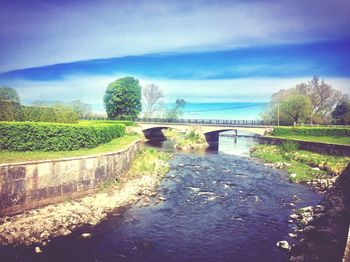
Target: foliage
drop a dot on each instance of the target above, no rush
(122, 99)
(11, 111)
(296, 108)
(150, 162)
(341, 113)
(9, 94)
(322, 96)
(49, 114)
(310, 131)
(29, 136)
(83, 110)
(193, 139)
(176, 111)
(151, 101)
(302, 163)
(289, 146)
(116, 144)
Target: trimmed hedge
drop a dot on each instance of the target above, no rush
(28, 136)
(310, 131)
(13, 111)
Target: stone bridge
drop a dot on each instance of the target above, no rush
(211, 131)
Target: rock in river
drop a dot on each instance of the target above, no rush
(283, 245)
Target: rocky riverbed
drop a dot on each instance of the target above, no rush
(322, 230)
(40, 225)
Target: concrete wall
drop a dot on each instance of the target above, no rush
(323, 148)
(33, 184)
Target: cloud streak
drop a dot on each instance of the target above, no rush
(36, 33)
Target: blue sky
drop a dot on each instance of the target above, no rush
(203, 51)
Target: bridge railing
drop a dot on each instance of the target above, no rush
(205, 121)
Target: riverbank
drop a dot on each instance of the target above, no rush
(40, 225)
(307, 167)
(322, 230)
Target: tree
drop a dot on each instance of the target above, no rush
(176, 111)
(296, 108)
(341, 113)
(82, 109)
(122, 98)
(152, 96)
(323, 99)
(9, 94)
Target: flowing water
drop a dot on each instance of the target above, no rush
(220, 206)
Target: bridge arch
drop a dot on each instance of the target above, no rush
(156, 132)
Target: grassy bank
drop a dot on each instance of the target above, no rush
(303, 165)
(319, 139)
(116, 144)
(150, 162)
(329, 135)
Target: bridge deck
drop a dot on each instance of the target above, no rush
(207, 122)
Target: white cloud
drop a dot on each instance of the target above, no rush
(47, 33)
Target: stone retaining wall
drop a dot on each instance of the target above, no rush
(323, 148)
(32, 184)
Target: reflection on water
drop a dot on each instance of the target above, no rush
(236, 145)
(227, 144)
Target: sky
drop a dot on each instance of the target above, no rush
(202, 51)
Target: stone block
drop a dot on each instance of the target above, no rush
(90, 163)
(31, 171)
(69, 188)
(16, 172)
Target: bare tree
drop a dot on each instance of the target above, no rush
(151, 98)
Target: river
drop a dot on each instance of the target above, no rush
(219, 206)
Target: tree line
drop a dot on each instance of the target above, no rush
(314, 102)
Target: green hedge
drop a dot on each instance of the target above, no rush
(310, 131)
(12, 111)
(28, 136)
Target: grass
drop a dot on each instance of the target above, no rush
(149, 161)
(190, 140)
(125, 122)
(302, 163)
(116, 144)
(320, 139)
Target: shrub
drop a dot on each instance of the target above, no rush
(29, 136)
(310, 131)
(13, 111)
(49, 114)
(10, 111)
(289, 146)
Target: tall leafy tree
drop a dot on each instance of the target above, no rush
(341, 113)
(9, 94)
(122, 98)
(296, 108)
